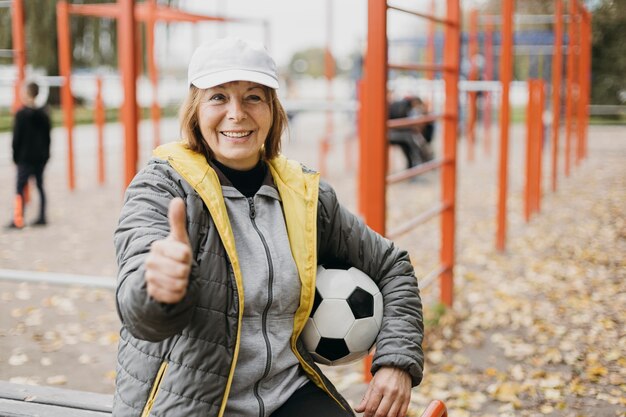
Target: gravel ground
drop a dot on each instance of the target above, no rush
(536, 330)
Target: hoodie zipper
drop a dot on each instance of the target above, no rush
(270, 297)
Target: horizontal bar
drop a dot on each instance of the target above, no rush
(424, 15)
(416, 221)
(411, 121)
(111, 10)
(6, 53)
(430, 278)
(58, 279)
(420, 67)
(538, 19)
(416, 170)
(5, 3)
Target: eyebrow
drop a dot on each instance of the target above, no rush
(254, 87)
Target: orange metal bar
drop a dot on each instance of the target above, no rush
(417, 220)
(487, 95)
(412, 121)
(431, 277)
(539, 130)
(569, 86)
(529, 150)
(430, 44)
(373, 163)
(65, 70)
(19, 50)
(18, 211)
(415, 171)
(534, 145)
(329, 73)
(126, 46)
(580, 122)
(155, 110)
(451, 58)
(448, 22)
(99, 119)
(374, 148)
(435, 409)
(110, 10)
(506, 70)
(557, 75)
(587, 81)
(473, 76)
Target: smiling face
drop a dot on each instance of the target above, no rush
(235, 119)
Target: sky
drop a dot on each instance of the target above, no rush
(294, 25)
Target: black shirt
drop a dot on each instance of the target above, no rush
(246, 182)
(31, 136)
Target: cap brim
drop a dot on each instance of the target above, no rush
(214, 79)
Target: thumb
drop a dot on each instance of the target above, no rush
(178, 218)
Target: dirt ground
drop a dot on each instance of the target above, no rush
(536, 330)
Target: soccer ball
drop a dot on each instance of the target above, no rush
(346, 316)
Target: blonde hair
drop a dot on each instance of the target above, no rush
(190, 127)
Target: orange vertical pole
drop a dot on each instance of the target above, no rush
(329, 70)
(580, 122)
(451, 59)
(473, 76)
(539, 129)
(19, 50)
(65, 70)
(569, 87)
(530, 134)
(506, 70)
(155, 111)
(430, 52)
(557, 75)
(99, 118)
(587, 80)
(487, 95)
(126, 46)
(374, 152)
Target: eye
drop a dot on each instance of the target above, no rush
(217, 97)
(254, 98)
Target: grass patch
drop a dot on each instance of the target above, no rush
(83, 115)
(433, 315)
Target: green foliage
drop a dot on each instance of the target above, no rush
(608, 56)
(83, 115)
(433, 315)
(308, 62)
(94, 40)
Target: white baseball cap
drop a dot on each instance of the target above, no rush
(231, 59)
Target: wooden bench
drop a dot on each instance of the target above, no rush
(18, 400)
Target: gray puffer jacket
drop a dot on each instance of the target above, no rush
(179, 359)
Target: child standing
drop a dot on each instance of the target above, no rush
(31, 151)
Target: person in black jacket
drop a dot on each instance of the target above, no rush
(31, 151)
(415, 140)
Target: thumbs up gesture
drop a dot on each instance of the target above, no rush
(168, 264)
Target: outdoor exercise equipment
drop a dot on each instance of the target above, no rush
(373, 178)
(127, 14)
(576, 98)
(19, 47)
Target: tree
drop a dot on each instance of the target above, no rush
(608, 54)
(94, 40)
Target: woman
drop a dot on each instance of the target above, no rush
(218, 243)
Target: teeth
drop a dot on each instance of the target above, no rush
(236, 134)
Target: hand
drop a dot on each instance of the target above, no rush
(387, 395)
(169, 262)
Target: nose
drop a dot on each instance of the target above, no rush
(235, 110)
